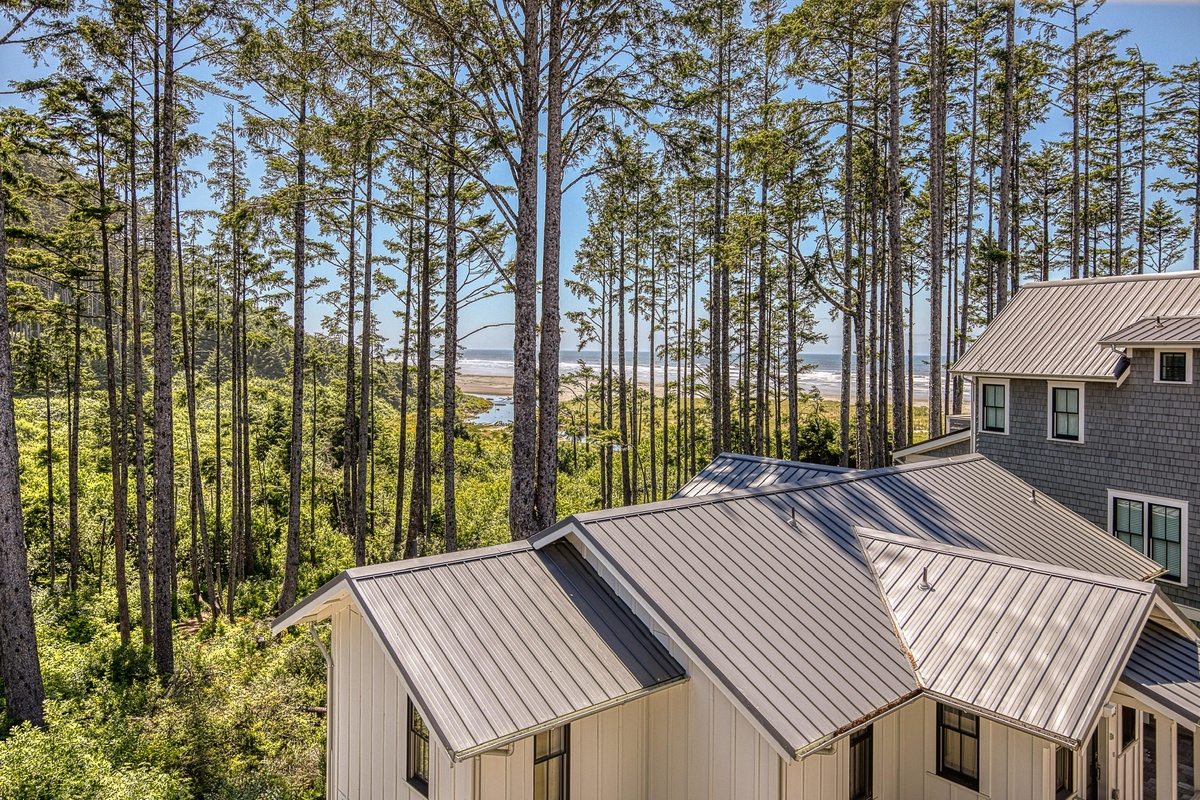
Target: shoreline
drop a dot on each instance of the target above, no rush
(501, 386)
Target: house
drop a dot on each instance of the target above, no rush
(1086, 390)
(941, 630)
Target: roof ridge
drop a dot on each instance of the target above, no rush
(439, 559)
(771, 460)
(1040, 567)
(833, 479)
(1111, 279)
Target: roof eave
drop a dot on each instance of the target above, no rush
(465, 753)
(975, 373)
(312, 607)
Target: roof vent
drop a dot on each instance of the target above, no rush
(1158, 321)
(925, 585)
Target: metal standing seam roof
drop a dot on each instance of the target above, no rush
(499, 643)
(1054, 329)
(1154, 331)
(769, 589)
(1039, 647)
(1165, 665)
(733, 471)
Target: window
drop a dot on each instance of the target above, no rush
(862, 764)
(958, 746)
(1066, 413)
(418, 751)
(995, 408)
(1174, 366)
(1129, 721)
(1129, 522)
(1064, 773)
(550, 753)
(1153, 526)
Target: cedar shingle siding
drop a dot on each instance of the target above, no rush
(1141, 437)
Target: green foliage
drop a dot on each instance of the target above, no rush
(240, 718)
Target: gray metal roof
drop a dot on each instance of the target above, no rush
(498, 643)
(1054, 329)
(1166, 666)
(1155, 331)
(1039, 647)
(948, 439)
(732, 471)
(769, 590)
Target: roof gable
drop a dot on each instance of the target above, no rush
(1054, 329)
(769, 592)
(498, 643)
(1039, 647)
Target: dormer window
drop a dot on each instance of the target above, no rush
(1173, 366)
(1065, 412)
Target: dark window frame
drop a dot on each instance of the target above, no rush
(1129, 726)
(1064, 773)
(418, 743)
(1161, 367)
(945, 728)
(564, 754)
(862, 770)
(1077, 414)
(999, 410)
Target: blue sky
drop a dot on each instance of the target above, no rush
(1168, 33)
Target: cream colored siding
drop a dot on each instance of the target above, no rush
(368, 704)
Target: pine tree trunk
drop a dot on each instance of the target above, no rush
(364, 371)
(937, 208)
(116, 421)
(164, 444)
(73, 448)
(895, 268)
(418, 506)
(546, 484)
(291, 561)
(450, 353)
(20, 668)
(847, 260)
(1006, 153)
(349, 423)
(522, 517)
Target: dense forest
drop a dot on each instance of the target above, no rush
(207, 208)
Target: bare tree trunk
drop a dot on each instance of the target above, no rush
(450, 351)
(364, 377)
(19, 665)
(847, 259)
(522, 512)
(398, 544)
(895, 267)
(164, 445)
(546, 484)
(349, 424)
(1006, 153)
(419, 505)
(937, 207)
(291, 561)
(116, 421)
(73, 448)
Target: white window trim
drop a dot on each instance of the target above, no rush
(1182, 505)
(1187, 351)
(980, 392)
(1050, 387)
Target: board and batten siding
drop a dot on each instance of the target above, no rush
(368, 707)
(686, 742)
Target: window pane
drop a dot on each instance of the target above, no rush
(970, 757)
(1165, 538)
(1172, 367)
(861, 764)
(952, 750)
(1128, 522)
(1066, 413)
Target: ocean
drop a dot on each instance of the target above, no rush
(822, 371)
